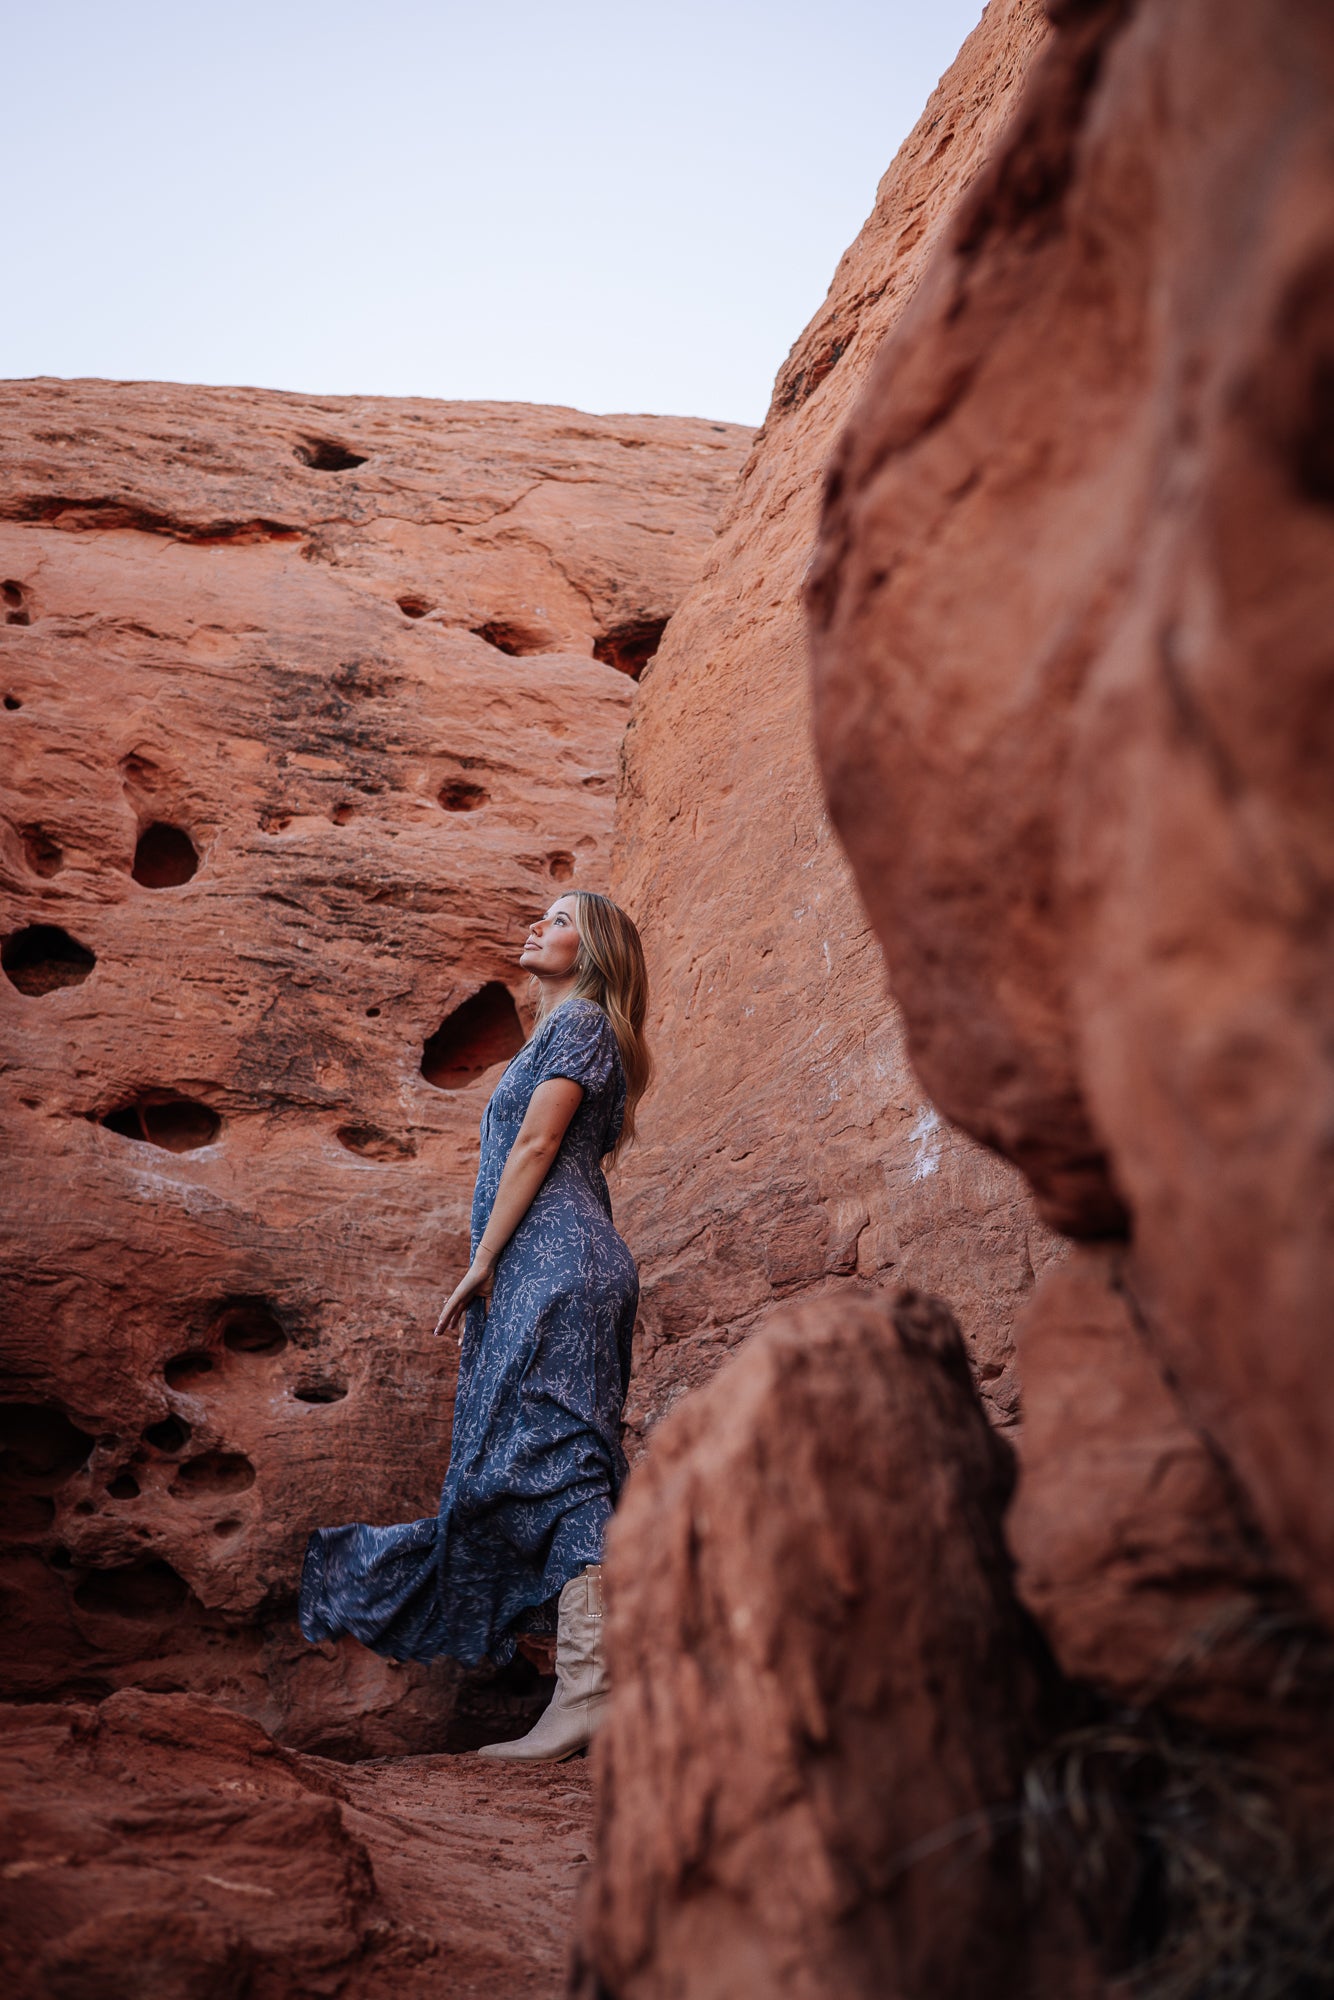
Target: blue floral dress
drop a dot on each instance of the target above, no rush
(536, 1464)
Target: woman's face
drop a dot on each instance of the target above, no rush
(553, 941)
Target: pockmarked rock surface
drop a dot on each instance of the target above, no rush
(1077, 571)
(825, 1692)
(162, 1844)
(789, 1146)
(308, 706)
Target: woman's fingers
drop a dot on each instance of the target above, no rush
(455, 1305)
(450, 1313)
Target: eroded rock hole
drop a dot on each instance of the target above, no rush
(248, 1326)
(123, 1487)
(323, 1391)
(483, 1031)
(184, 1370)
(224, 1529)
(461, 795)
(370, 1143)
(41, 958)
(15, 603)
(213, 1472)
(39, 1447)
(43, 854)
(413, 607)
(631, 646)
(147, 1589)
(560, 866)
(342, 813)
(12, 701)
(323, 455)
(508, 637)
(165, 857)
(170, 1434)
(177, 1124)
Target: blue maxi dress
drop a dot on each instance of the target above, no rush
(536, 1464)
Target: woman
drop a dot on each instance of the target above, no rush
(548, 1309)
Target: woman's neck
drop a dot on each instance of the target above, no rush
(556, 990)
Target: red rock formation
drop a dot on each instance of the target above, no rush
(1077, 570)
(307, 709)
(1071, 614)
(1134, 1547)
(158, 1844)
(789, 1145)
(814, 1797)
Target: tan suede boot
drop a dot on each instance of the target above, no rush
(571, 1718)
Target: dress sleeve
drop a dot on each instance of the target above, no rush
(581, 1044)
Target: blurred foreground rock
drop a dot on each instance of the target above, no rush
(1074, 688)
(1135, 1547)
(825, 1690)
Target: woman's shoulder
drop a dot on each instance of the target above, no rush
(577, 1016)
(581, 1025)
(578, 1011)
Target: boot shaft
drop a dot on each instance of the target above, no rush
(580, 1667)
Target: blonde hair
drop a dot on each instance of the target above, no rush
(610, 969)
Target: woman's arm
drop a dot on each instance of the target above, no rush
(536, 1144)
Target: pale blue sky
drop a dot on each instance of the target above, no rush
(617, 206)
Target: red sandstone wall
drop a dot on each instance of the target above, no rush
(788, 1144)
(350, 651)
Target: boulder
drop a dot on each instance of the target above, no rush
(1071, 624)
(825, 1692)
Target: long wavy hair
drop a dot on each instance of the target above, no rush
(610, 969)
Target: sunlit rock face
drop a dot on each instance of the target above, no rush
(1071, 618)
(789, 1145)
(308, 706)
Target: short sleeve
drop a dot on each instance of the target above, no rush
(579, 1042)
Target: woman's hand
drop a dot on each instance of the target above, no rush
(476, 1284)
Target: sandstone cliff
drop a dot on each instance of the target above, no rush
(308, 706)
(789, 1145)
